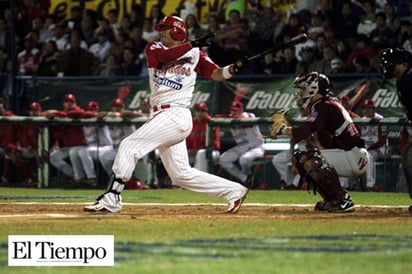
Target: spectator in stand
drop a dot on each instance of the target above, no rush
(8, 146)
(233, 38)
(125, 25)
(361, 64)
(291, 29)
(28, 59)
(130, 64)
(87, 30)
(343, 50)
(362, 47)
(98, 141)
(346, 24)
(392, 19)
(214, 51)
(375, 137)
(249, 146)
(315, 27)
(324, 65)
(74, 21)
(109, 68)
(262, 34)
(337, 65)
(66, 137)
(139, 43)
(268, 64)
(101, 48)
(320, 44)
(404, 33)
(113, 21)
(382, 36)
(77, 61)
(83, 43)
(42, 29)
(307, 62)
(111, 33)
(289, 63)
(59, 36)
(194, 30)
(148, 32)
(196, 141)
(49, 59)
(367, 21)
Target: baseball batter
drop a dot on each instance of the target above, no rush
(249, 146)
(336, 147)
(173, 65)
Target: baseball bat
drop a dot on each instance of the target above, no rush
(301, 38)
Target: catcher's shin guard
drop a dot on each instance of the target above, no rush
(313, 166)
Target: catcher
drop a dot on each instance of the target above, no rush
(334, 144)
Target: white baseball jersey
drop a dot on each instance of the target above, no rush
(172, 76)
(249, 146)
(247, 135)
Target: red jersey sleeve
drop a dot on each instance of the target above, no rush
(157, 55)
(206, 66)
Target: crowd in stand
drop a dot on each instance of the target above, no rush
(344, 36)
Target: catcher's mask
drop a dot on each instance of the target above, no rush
(310, 85)
(391, 57)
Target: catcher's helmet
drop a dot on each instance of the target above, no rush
(178, 27)
(392, 56)
(313, 83)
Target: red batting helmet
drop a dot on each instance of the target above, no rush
(178, 27)
(201, 106)
(236, 105)
(35, 106)
(117, 102)
(92, 106)
(369, 103)
(69, 98)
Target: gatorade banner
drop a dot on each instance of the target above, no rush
(260, 95)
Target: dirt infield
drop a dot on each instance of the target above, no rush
(162, 212)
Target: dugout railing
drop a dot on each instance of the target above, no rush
(388, 167)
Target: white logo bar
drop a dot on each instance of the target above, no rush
(61, 250)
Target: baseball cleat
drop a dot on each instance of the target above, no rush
(235, 204)
(96, 207)
(344, 205)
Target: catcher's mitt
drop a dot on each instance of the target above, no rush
(279, 123)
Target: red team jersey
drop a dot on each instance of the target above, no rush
(197, 138)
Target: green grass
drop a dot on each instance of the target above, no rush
(324, 245)
(183, 196)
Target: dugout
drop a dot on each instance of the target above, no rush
(261, 95)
